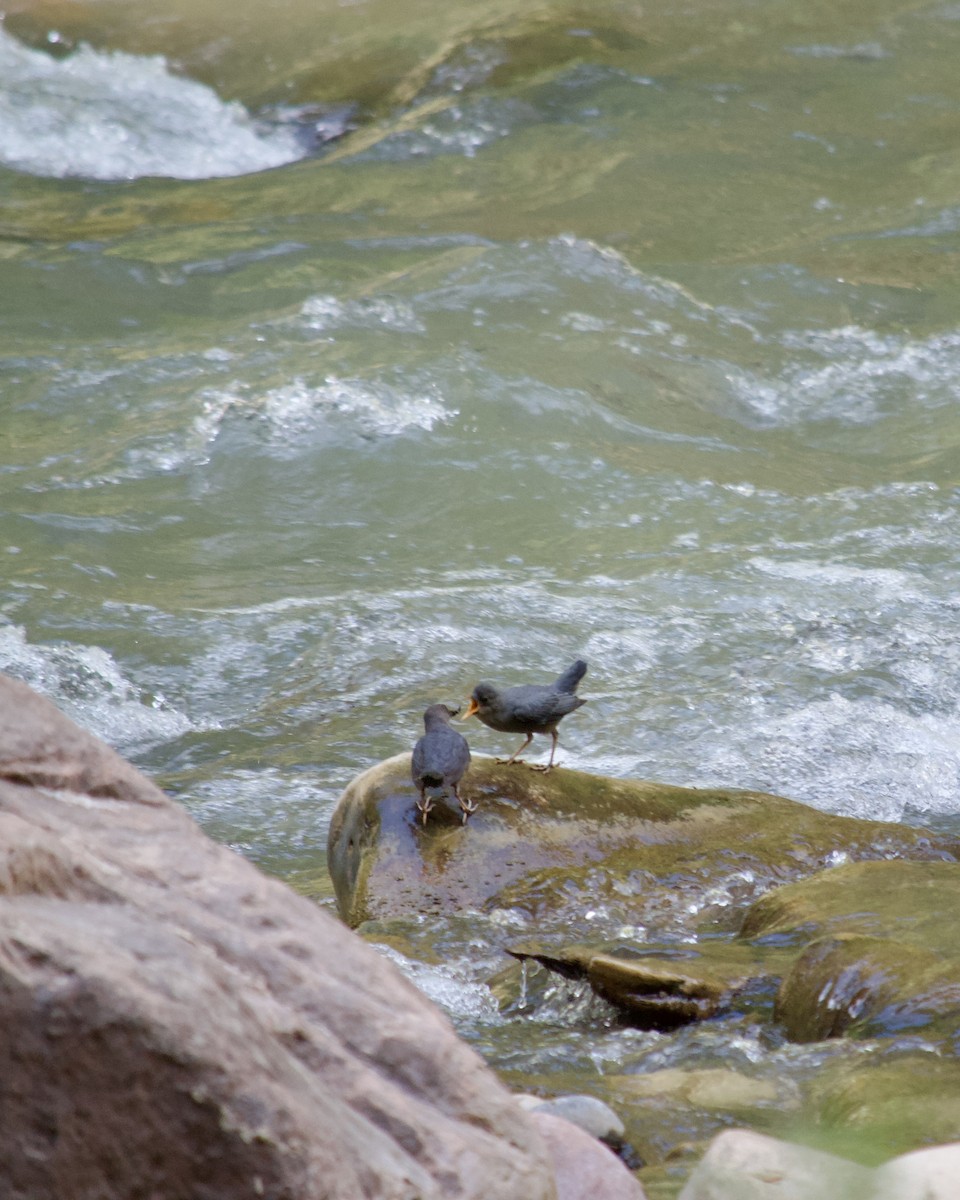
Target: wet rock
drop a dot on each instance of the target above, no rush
(868, 987)
(562, 846)
(931, 1174)
(883, 950)
(172, 1020)
(585, 1169)
(742, 1165)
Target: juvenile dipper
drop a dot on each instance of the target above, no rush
(530, 708)
(439, 759)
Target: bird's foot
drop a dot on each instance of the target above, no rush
(424, 809)
(511, 760)
(543, 767)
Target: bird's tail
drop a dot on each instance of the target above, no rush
(567, 682)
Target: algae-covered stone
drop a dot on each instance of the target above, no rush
(713, 1088)
(869, 987)
(671, 1114)
(916, 902)
(564, 845)
(883, 952)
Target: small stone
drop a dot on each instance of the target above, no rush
(592, 1115)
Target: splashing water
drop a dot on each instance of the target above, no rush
(121, 116)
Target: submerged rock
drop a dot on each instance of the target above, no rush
(890, 1103)
(656, 1105)
(710, 1088)
(173, 1022)
(567, 844)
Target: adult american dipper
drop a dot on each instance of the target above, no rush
(531, 708)
(439, 759)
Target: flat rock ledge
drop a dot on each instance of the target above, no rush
(174, 1023)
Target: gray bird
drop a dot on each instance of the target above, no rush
(439, 760)
(530, 708)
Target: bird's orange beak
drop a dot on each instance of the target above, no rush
(472, 707)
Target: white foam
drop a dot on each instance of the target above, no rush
(86, 683)
(328, 312)
(288, 414)
(850, 375)
(861, 757)
(110, 115)
(449, 988)
(372, 407)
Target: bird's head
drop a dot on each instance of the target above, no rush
(439, 714)
(483, 696)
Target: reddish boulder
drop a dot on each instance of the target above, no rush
(174, 1023)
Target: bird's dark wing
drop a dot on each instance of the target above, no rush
(528, 703)
(531, 706)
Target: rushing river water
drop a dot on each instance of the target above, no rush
(351, 353)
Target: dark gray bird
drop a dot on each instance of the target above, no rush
(439, 759)
(530, 708)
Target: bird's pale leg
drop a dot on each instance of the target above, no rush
(466, 806)
(519, 750)
(424, 804)
(553, 747)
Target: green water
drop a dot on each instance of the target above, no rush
(614, 331)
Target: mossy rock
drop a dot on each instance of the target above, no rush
(869, 987)
(883, 952)
(560, 845)
(914, 902)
